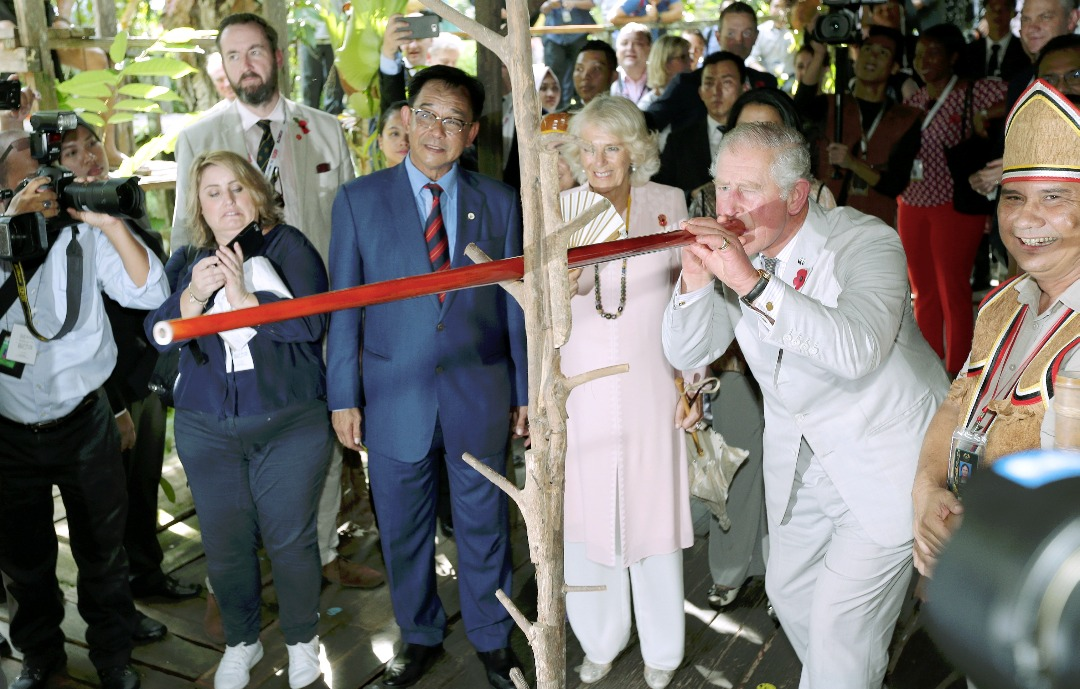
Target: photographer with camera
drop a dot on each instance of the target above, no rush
(879, 135)
(56, 427)
(140, 414)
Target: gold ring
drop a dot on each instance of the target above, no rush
(724, 245)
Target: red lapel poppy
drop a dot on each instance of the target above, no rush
(800, 278)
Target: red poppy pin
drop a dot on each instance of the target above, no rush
(322, 167)
(662, 219)
(303, 127)
(800, 278)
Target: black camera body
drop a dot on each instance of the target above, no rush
(10, 95)
(840, 25)
(23, 237)
(121, 196)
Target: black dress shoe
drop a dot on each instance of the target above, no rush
(122, 677)
(34, 675)
(410, 664)
(147, 629)
(498, 664)
(169, 588)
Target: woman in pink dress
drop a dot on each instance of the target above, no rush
(627, 499)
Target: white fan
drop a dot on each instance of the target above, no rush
(604, 228)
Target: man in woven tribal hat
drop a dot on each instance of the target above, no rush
(1027, 329)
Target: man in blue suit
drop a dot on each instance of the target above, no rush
(439, 373)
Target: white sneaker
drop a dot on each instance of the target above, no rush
(304, 663)
(593, 672)
(234, 670)
(658, 679)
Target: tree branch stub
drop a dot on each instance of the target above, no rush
(516, 288)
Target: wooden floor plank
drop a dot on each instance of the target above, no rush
(738, 649)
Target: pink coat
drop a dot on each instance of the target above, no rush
(626, 482)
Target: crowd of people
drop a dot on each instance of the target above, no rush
(829, 288)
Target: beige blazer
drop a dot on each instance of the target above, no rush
(320, 158)
(844, 366)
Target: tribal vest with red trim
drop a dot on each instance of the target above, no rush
(1018, 423)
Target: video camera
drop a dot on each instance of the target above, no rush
(1005, 597)
(840, 25)
(22, 237)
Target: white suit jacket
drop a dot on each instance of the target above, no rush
(844, 366)
(320, 157)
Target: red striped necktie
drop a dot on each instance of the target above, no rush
(438, 244)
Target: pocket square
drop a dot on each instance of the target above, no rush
(322, 167)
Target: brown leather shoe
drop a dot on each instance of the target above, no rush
(352, 574)
(212, 625)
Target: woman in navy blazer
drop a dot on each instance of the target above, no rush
(252, 429)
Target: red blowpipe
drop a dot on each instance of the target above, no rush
(405, 288)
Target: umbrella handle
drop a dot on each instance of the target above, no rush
(686, 410)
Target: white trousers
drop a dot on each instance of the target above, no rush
(601, 619)
(329, 505)
(836, 591)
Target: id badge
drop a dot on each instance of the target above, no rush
(858, 187)
(916, 170)
(966, 451)
(567, 18)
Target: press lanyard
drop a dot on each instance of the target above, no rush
(940, 101)
(867, 135)
(273, 163)
(1009, 385)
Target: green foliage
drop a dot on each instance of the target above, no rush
(358, 57)
(108, 96)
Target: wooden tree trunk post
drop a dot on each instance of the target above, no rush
(546, 301)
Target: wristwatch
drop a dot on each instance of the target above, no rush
(759, 287)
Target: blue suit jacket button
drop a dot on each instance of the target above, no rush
(440, 327)
(438, 369)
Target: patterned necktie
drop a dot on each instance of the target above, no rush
(995, 61)
(266, 145)
(770, 264)
(435, 235)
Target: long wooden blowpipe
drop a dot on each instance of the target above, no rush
(405, 288)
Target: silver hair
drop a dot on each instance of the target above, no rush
(620, 118)
(791, 157)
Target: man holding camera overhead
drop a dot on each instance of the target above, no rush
(56, 427)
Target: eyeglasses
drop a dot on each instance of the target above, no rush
(428, 120)
(683, 57)
(1070, 79)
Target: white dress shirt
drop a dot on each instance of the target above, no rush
(67, 370)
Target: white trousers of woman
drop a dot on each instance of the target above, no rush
(601, 619)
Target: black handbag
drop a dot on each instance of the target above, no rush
(965, 159)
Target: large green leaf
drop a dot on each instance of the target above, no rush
(358, 58)
(118, 49)
(93, 76)
(158, 67)
(90, 104)
(94, 90)
(121, 117)
(93, 119)
(137, 105)
(151, 91)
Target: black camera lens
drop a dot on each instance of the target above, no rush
(839, 27)
(119, 196)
